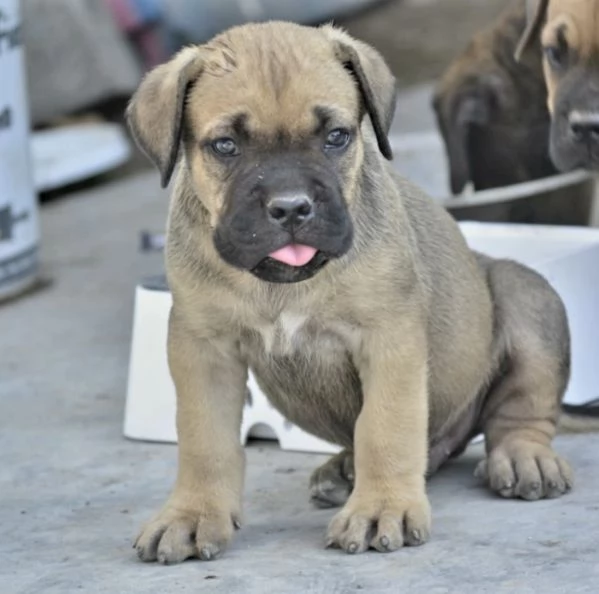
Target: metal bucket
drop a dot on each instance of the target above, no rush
(19, 228)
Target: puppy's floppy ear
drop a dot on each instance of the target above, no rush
(455, 119)
(536, 11)
(376, 83)
(155, 112)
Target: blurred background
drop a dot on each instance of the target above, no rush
(85, 58)
(89, 55)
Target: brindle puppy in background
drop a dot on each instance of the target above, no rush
(399, 344)
(568, 31)
(492, 110)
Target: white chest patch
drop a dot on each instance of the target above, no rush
(282, 336)
(290, 324)
(291, 332)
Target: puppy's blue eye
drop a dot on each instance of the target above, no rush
(225, 147)
(337, 139)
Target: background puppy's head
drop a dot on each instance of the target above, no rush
(492, 112)
(569, 34)
(269, 118)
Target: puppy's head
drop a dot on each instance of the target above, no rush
(268, 119)
(569, 34)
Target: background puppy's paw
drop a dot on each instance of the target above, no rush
(525, 470)
(385, 525)
(175, 535)
(332, 483)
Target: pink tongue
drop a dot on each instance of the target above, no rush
(294, 254)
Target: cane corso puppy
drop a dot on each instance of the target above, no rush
(294, 249)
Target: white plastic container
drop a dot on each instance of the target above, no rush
(19, 230)
(567, 256)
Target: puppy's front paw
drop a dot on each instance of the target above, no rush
(175, 534)
(526, 470)
(382, 523)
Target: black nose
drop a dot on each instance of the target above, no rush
(290, 210)
(584, 125)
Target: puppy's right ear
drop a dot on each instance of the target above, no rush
(536, 11)
(155, 112)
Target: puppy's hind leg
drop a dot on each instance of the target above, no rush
(332, 483)
(520, 413)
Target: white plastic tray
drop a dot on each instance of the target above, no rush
(69, 154)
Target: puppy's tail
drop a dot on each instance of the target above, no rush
(579, 418)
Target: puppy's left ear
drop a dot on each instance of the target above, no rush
(536, 11)
(375, 81)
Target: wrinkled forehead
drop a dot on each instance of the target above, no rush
(272, 85)
(577, 21)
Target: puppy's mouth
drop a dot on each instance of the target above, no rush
(290, 264)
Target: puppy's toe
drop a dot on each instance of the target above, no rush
(530, 483)
(389, 535)
(213, 534)
(177, 543)
(556, 474)
(357, 534)
(146, 543)
(497, 471)
(331, 484)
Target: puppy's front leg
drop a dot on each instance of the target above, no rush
(199, 517)
(388, 507)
